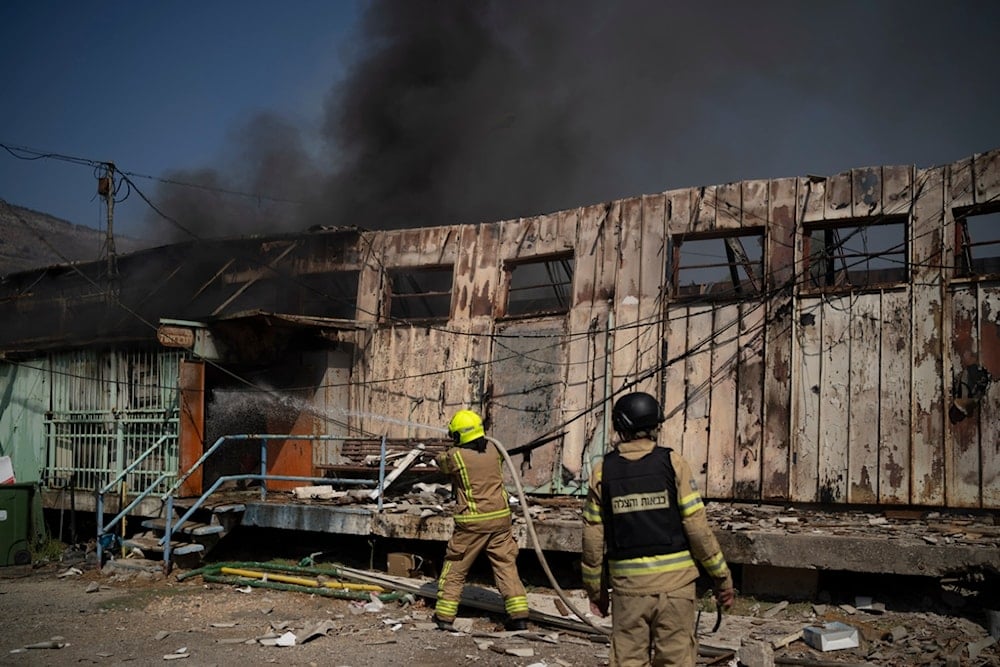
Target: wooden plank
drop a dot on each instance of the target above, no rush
(750, 403)
(729, 214)
(580, 378)
(704, 209)
(894, 399)
(863, 438)
(928, 403)
(780, 258)
(653, 262)
(834, 396)
(812, 199)
(626, 305)
(986, 167)
(989, 407)
(839, 196)
(897, 189)
(806, 394)
(698, 372)
(962, 448)
(679, 214)
(754, 198)
(722, 404)
(674, 383)
(960, 183)
(866, 190)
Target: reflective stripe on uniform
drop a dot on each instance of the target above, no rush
(466, 484)
(630, 567)
(591, 575)
(690, 504)
(591, 512)
(516, 604)
(716, 566)
(484, 516)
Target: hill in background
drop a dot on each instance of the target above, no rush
(31, 240)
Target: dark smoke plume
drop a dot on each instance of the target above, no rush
(461, 111)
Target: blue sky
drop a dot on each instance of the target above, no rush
(151, 86)
(434, 113)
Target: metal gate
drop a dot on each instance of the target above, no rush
(106, 410)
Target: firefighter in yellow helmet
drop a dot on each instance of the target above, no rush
(644, 528)
(482, 522)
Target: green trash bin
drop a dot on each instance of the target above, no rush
(15, 524)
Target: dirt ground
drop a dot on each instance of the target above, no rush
(132, 616)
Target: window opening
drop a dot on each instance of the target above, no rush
(540, 286)
(420, 294)
(330, 294)
(977, 244)
(856, 255)
(725, 267)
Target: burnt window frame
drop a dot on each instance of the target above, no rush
(966, 265)
(394, 297)
(835, 271)
(562, 291)
(330, 287)
(743, 284)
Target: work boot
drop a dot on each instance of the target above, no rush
(516, 624)
(444, 625)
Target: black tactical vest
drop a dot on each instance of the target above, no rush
(639, 506)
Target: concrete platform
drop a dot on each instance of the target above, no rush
(917, 543)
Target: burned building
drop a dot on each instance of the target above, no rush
(812, 339)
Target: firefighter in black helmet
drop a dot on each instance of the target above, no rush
(644, 529)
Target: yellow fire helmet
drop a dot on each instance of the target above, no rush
(465, 427)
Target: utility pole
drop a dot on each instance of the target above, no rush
(106, 189)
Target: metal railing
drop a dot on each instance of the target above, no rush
(168, 495)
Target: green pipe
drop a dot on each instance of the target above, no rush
(326, 592)
(215, 568)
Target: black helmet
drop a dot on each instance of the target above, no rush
(636, 412)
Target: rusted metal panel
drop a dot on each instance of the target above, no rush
(962, 464)
(704, 209)
(989, 407)
(627, 294)
(894, 399)
(839, 196)
(806, 396)
(863, 437)
(191, 382)
(927, 423)
(986, 167)
(651, 307)
(780, 257)
(730, 206)
(750, 402)
(866, 191)
(698, 393)
(834, 395)
(722, 406)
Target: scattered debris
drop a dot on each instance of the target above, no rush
(54, 642)
(71, 572)
(831, 636)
